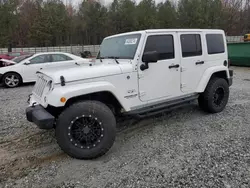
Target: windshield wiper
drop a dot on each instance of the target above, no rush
(113, 57)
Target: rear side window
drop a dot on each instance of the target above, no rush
(163, 44)
(215, 43)
(191, 45)
(60, 57)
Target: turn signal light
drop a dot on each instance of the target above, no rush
(63, 99)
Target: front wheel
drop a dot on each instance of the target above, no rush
(12, 80)
(86, 130)
(215, 97)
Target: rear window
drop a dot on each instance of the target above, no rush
(215, 43)
(60, 57)
(191, 45)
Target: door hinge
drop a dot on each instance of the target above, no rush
(142, 93)
(183, 69)
(183, 85)
(141, 75)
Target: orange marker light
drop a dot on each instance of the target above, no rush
(63, 99)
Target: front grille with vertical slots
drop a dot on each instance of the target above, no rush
(40, 86)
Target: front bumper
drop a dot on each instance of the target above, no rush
(1, 76)
(38, 115)
(230, 80)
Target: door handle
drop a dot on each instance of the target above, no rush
(174, 66)
(41, 68)
(199, 62)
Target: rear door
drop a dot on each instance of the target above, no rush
(193, 62)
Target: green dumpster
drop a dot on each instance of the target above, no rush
(239, 53)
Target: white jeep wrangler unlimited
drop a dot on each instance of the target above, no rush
(138, 73)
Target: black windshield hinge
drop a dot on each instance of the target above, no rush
(116, 61)
(62, 81)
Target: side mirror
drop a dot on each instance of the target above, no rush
(149, 57)
(27, 62)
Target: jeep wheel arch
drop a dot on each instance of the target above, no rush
(220, 72)
(86, 91)
(105, 97)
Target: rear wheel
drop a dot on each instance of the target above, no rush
(12, 80)
(86, 130)
(215, 97)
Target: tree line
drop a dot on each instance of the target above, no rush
(27, 23)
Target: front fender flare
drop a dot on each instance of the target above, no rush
(76, 90)
(207, 75)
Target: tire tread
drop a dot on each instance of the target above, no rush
(204, 99)
(78, 106)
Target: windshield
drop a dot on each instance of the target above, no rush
(121, 47)
(21, 58)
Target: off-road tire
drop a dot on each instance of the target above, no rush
(15, 75)
(207, 98)
(96, 110)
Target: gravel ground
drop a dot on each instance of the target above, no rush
(184, 148)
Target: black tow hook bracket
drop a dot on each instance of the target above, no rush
(62, 81)
(28, 101)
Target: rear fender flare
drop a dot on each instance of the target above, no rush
(207, 76)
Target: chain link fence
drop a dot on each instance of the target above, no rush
(233, 39)
(77, 49)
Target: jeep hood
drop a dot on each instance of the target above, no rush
(81, 72)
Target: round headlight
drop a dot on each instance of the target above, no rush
(49, 85)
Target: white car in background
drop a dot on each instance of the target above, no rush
(23, 69)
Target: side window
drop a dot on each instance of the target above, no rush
(215, 43)
(39, 59)
(163, 44)
(191, 45)
(60, 57)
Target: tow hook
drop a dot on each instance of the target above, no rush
(28, 101)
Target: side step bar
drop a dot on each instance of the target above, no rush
(163, 107)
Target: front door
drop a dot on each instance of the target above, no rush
(36, 64)
(192, 60)
(162, 79)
